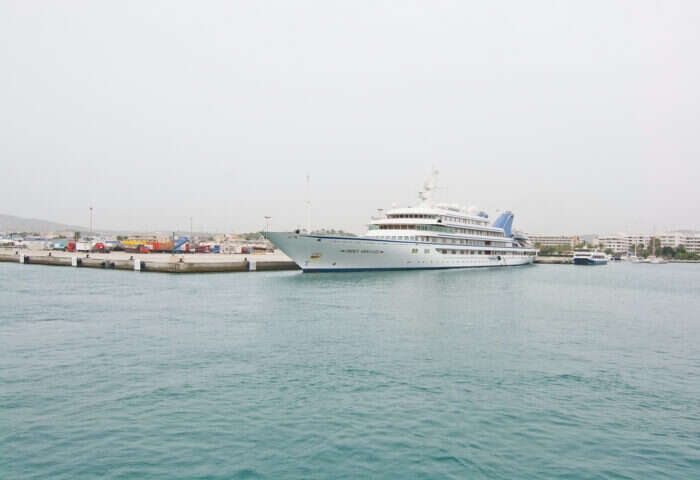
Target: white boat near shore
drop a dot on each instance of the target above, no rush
(428, 236)
(654, 260)
(589, 257)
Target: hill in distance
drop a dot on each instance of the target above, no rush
(10, 223)
(14, 224)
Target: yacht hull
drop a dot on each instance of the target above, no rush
(346, 254)
(589, 261)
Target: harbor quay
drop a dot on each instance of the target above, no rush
(169, 263)
(187, 263)
(555, 260)
(153, 262)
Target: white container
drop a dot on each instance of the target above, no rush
(83, 246)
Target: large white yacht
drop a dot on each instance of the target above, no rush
(428, 236)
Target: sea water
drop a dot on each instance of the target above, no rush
(529, 372)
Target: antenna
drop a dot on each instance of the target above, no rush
(430, 185)
(308, 203)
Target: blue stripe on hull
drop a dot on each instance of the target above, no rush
(395, 269)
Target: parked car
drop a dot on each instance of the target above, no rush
(113, 245)
(98, 247)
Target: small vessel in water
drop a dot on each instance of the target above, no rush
(590, 257)
(631, 258)
(653, 259)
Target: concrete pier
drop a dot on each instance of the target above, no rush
(163, 263)
(555, 260)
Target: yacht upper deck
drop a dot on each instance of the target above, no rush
(442, 223)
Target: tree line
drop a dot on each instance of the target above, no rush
(679, 253)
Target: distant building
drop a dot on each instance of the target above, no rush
(638, 239)
(692, 243)
(625, 242)
(689, 240)
(672, 239)
(553, 240)
(619, 243)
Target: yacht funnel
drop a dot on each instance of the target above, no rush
(505, 221)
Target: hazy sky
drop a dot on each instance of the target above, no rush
(581, 117)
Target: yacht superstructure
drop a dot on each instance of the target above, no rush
(428, 236)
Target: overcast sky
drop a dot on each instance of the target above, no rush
(581, 117)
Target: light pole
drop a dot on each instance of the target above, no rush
(308, 203)
(267, 225)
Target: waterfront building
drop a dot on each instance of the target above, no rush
(619, 243)
(672, 239)
(553, 240)
(625, 242)
(637, 239)
(692, 243)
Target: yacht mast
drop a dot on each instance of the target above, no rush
(308, 203)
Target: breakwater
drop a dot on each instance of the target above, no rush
(154, 263)
(167, 263)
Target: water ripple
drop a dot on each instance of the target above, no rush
(486, 374)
